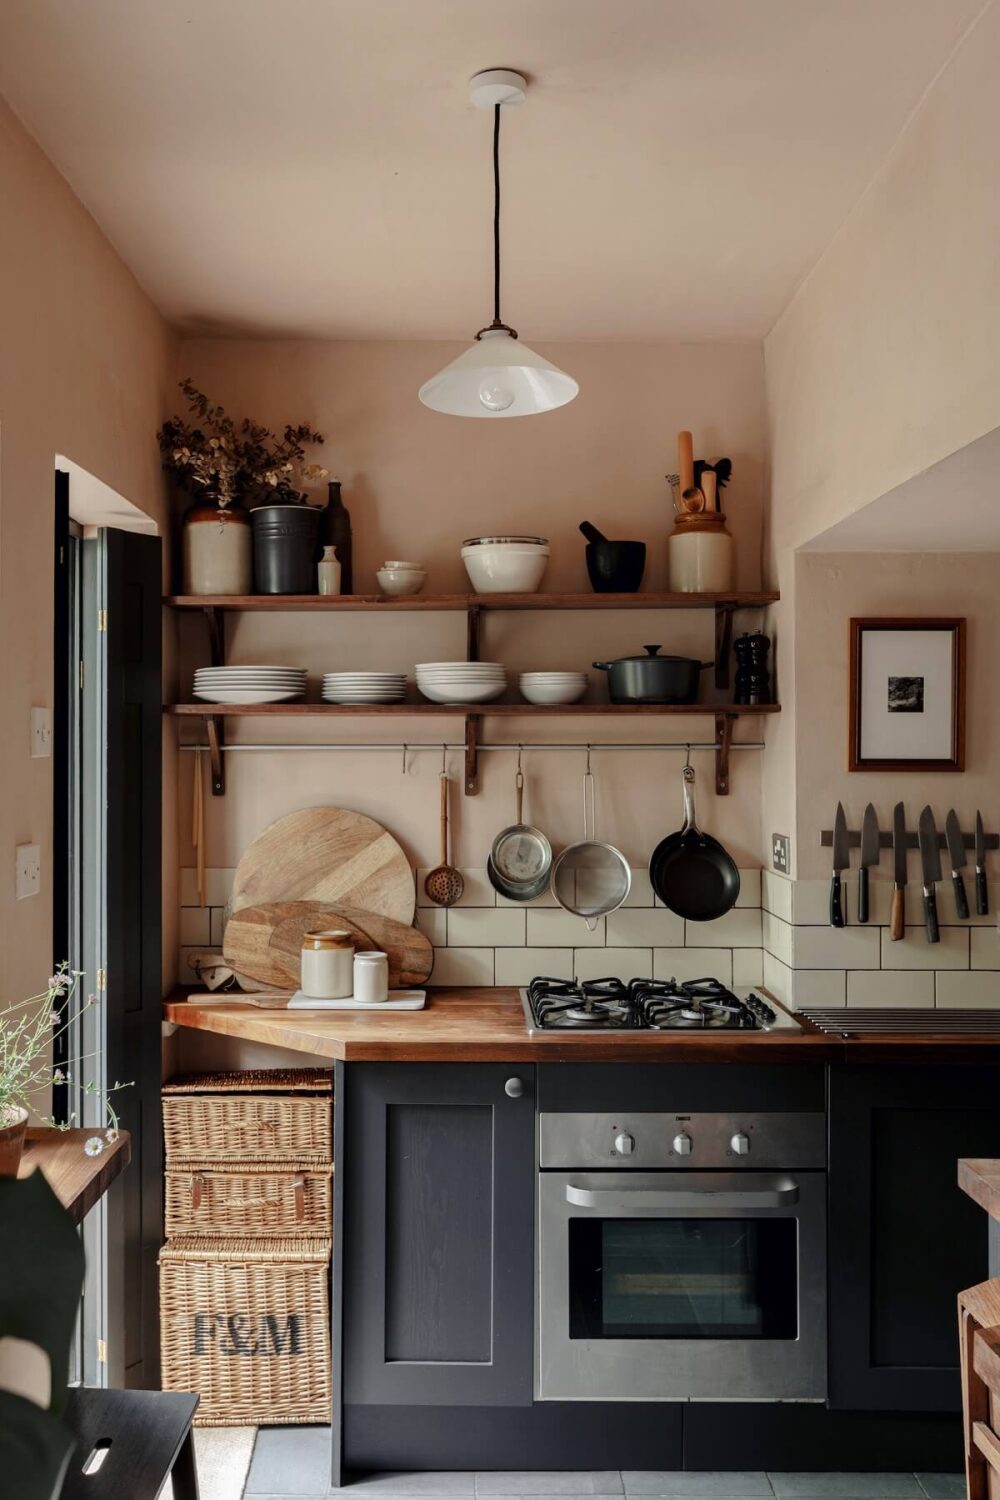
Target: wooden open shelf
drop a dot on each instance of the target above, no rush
(320, 604)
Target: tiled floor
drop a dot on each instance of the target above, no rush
(296, 1462)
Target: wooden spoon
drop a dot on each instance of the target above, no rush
(444, 884)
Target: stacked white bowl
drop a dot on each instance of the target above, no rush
(397, 578)
(255, 684)
(552, 687)
(505, 564)
(461, 681)
(364, 687)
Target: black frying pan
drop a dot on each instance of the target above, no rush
(691, 872)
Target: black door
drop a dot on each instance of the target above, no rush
(903, 1239)
(439, 1235)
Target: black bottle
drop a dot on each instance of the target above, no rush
(337, 533)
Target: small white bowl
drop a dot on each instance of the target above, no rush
(479, 692)
(552, 693)
(397, 582)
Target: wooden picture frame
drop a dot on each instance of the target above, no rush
(924, 702)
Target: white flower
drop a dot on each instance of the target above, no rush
(111, 1136)
(93, 1145)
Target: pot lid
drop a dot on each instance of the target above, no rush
(652, 654)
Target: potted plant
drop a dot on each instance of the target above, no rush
(229, 467)
(27, 1032)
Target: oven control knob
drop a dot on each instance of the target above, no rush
(624, 1144)
(683, 1144)
(740, 1144)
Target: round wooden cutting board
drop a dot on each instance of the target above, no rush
(263, 944)
(327, 854)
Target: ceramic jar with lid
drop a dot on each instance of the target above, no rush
(217, 551)
(327, 965)
(700, 553)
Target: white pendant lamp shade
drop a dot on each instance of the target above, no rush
(498, 377)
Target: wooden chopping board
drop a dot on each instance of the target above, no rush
(331, 855)
(263, 944)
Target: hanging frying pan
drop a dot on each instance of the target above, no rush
(691, 872)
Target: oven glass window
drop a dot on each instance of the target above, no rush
(683, 1278)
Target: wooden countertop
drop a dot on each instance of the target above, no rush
(78, 1180)
(980, 1178)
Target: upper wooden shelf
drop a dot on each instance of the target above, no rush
(279, 603)
(460, 710)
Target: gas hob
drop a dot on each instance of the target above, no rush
(646, 1005)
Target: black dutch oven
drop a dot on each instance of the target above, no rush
(653, 678)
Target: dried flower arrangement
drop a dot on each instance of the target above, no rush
(228, 461)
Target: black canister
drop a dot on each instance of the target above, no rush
(285, 539)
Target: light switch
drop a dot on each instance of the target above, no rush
(41, 733)
(27, 871)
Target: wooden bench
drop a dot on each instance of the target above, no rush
(147, 1436)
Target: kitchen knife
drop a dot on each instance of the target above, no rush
(956, 853)
(982, 893)
(930, 863)
(869, 856)
(841, 861)
(897, 917)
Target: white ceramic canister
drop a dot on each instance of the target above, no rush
(217, 551)
(700, 553)
(328, 572)
(371, 977)
(327, 965)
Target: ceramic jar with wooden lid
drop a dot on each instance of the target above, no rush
(217, 550)
(327, 965)
(700, 554)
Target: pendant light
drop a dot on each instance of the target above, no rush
(498, 376)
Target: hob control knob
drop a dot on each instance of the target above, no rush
(683, 1144)
(740, 1144)
(624, 1144)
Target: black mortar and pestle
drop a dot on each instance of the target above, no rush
(614, 567)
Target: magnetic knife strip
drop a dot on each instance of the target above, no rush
(885, 840)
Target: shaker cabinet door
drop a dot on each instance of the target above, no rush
(439, 1168)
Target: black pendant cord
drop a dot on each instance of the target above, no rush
(496, 326)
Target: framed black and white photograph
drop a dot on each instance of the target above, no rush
(907, 695)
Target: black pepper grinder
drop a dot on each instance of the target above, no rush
(337, 533)
(753, 679)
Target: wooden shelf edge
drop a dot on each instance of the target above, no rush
(294, 603)
(461, 710)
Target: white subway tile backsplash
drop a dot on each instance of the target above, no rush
(835, 947)
(818, 987)
(776, 894)
(649, 926)
(778, 978)
(913, 951)
(985, 948)
(612, 963)
(641, 893)
(520, 965)
(882, 987)
(463, 966)
(748, 966)
(195, 926)
(560, 929)
(693, 963)
(219, 916)
(976, 989)
(776, 937)
(750, 886)
(737, 929)
(218, 886)
(485, 927)
(433, 923)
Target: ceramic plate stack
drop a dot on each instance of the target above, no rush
(364, 687)
(553, 687)
(461, 681)
(249, 684)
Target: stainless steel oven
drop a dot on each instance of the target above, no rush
(682, 1257)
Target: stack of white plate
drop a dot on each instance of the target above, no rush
(249, 684)
(461, 681)
(553, 687)
(364, 687)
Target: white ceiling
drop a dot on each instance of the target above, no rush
(313, 167)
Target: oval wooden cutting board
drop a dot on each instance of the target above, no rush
(331, 855)
(263, 944)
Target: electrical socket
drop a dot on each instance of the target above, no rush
(780, 852)
(41, 733)
(27, 871)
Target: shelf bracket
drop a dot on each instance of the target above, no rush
(473, 619)
(723, 644)
(723, 741)
(216, 622)
(215, 727)
(472, 724)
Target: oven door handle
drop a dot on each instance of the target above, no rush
(780, 1195)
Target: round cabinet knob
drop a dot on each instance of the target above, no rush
(683, 1144)
(624, 1144)
(513, 1088)
(740, 1144)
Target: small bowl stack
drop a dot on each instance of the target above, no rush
(364, 687)
(398, 578)
(552, 687)
(461, 681)
(249, 684)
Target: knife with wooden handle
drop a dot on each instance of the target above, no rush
(982, 890)
(930, 862)
(841, 861)
(956, 853)
(897, 916)
(869, 856)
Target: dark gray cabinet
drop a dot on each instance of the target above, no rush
(439, 1175)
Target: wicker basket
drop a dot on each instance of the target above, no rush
(252, 1199)
(247, 1326)
(249, 1117)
